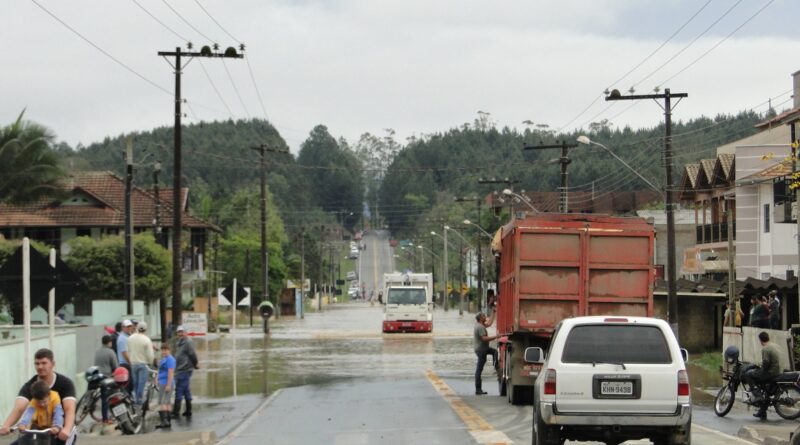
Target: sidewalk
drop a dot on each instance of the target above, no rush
(769, 434)
(179, 438)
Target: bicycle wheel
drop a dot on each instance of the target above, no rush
(86, 406)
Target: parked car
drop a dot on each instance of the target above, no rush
(353, 254)
(352, 276)
(612, 379)
(352, 292)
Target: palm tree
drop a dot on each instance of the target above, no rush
(29, 168)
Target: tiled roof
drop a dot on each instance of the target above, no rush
(708, 168)
(726, 160)
(691, 171)
(106, 193)
(776, 171)
(781, 119)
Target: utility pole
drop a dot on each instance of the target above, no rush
(129, 286)
(508, 183)
(446, 282)
(302, 268)
(262, 150)
(564, 161)
(729, 203)
(177, 208)
(157, 212)
(478, 201)
(795, 147)
(672, 276)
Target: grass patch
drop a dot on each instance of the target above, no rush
(710, 361)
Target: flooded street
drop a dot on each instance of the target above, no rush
(344, 342)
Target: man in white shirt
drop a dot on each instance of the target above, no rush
(140, 352)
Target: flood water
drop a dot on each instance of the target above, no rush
(345, 342)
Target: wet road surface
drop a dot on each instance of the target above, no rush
(333, 377)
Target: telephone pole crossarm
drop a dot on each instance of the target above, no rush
(564, 160)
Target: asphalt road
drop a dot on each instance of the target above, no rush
(376, 260)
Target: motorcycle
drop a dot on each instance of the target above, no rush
(782, 392)
(120, 403)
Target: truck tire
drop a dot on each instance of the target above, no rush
(501, 385)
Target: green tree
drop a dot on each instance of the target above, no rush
(101, 264)
(334, 174)
(29, 168)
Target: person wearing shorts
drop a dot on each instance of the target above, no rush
(166, 379)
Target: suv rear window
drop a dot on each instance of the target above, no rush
(616, 344)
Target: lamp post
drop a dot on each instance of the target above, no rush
(586, 141)
(444, 260)
(470, 223)
(508, 192)
(421, 257)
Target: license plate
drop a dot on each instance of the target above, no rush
(406, 325)
(119, 410)
(616, 388)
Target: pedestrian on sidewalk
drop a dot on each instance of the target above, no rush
(106, 362)
(140, 351)
(166, 381)
(185, 364)
(774, 310)
(482, 349)
(122, 344)
(44, 363)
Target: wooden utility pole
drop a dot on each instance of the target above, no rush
(177, 208)
(672, 273)
(262, 150)
(564, 160)
(129, 284)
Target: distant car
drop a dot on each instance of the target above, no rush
(352, 276)
(352, 292)
(611, 379)
(353, 254)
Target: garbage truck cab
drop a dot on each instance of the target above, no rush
(408, 302)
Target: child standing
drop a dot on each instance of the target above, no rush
(44, 411)
(166, 376)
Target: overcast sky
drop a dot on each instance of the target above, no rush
(417, 66)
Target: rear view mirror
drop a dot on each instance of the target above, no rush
(534, 355)
(685, 355)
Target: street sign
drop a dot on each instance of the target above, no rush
(43, 278)
(339, 282)
(449, 289)
(464, 289)
(195, 323)
(225, 294)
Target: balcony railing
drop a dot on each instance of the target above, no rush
(714, 233)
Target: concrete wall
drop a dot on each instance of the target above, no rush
(746, 339)
(699, 320)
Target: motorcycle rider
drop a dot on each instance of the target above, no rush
(759, 377)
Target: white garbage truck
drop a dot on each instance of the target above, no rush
(408, 302)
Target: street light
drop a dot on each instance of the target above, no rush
(508, 192)
(470, 223)
(586, 141)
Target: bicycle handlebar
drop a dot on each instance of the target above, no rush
(16, 428)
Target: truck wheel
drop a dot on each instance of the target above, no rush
(501, 385)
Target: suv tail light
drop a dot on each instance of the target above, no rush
(683, 383)
(550, 382)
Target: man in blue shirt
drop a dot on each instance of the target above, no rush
(122, 343)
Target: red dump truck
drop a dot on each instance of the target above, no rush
(556, 266)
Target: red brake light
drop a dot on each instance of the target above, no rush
(616, 320)
(113, 400)
(683, 383)
(550, 382)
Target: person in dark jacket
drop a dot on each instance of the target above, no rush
(186, 363)
(759, 313)
(774, 310)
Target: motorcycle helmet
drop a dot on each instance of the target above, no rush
(93, 374)
(731, 354)
(120, 375)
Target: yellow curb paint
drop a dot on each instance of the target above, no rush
(481, 430)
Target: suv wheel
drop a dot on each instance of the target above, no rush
(680, 436)
(543, 434)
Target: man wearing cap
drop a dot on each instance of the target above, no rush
(122, 343)
(186, 363)
(140, 351)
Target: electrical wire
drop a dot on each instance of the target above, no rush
(235, 89)
(215, 21)
(208, 39)
(104, 52)
(152, 16)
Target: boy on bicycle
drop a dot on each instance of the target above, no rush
(44, 411)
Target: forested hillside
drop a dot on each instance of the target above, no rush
(437, 167)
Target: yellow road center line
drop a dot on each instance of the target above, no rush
(481, 430)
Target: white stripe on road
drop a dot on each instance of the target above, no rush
(727, 437)
(246, 422)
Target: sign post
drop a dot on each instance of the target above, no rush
(26, 301)
(51, 305)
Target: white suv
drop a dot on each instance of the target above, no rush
(612, 379)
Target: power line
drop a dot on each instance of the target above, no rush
(214, 86)
(175, 33)
(215, 21)
(104, 52)
(235, 89)
(718, 43)
(208, 39)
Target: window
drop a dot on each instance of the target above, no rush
(766, 218)
(616, 344)
(406, 296)
(83, 232)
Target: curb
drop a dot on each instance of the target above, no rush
(751, 434)
(247, 420)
